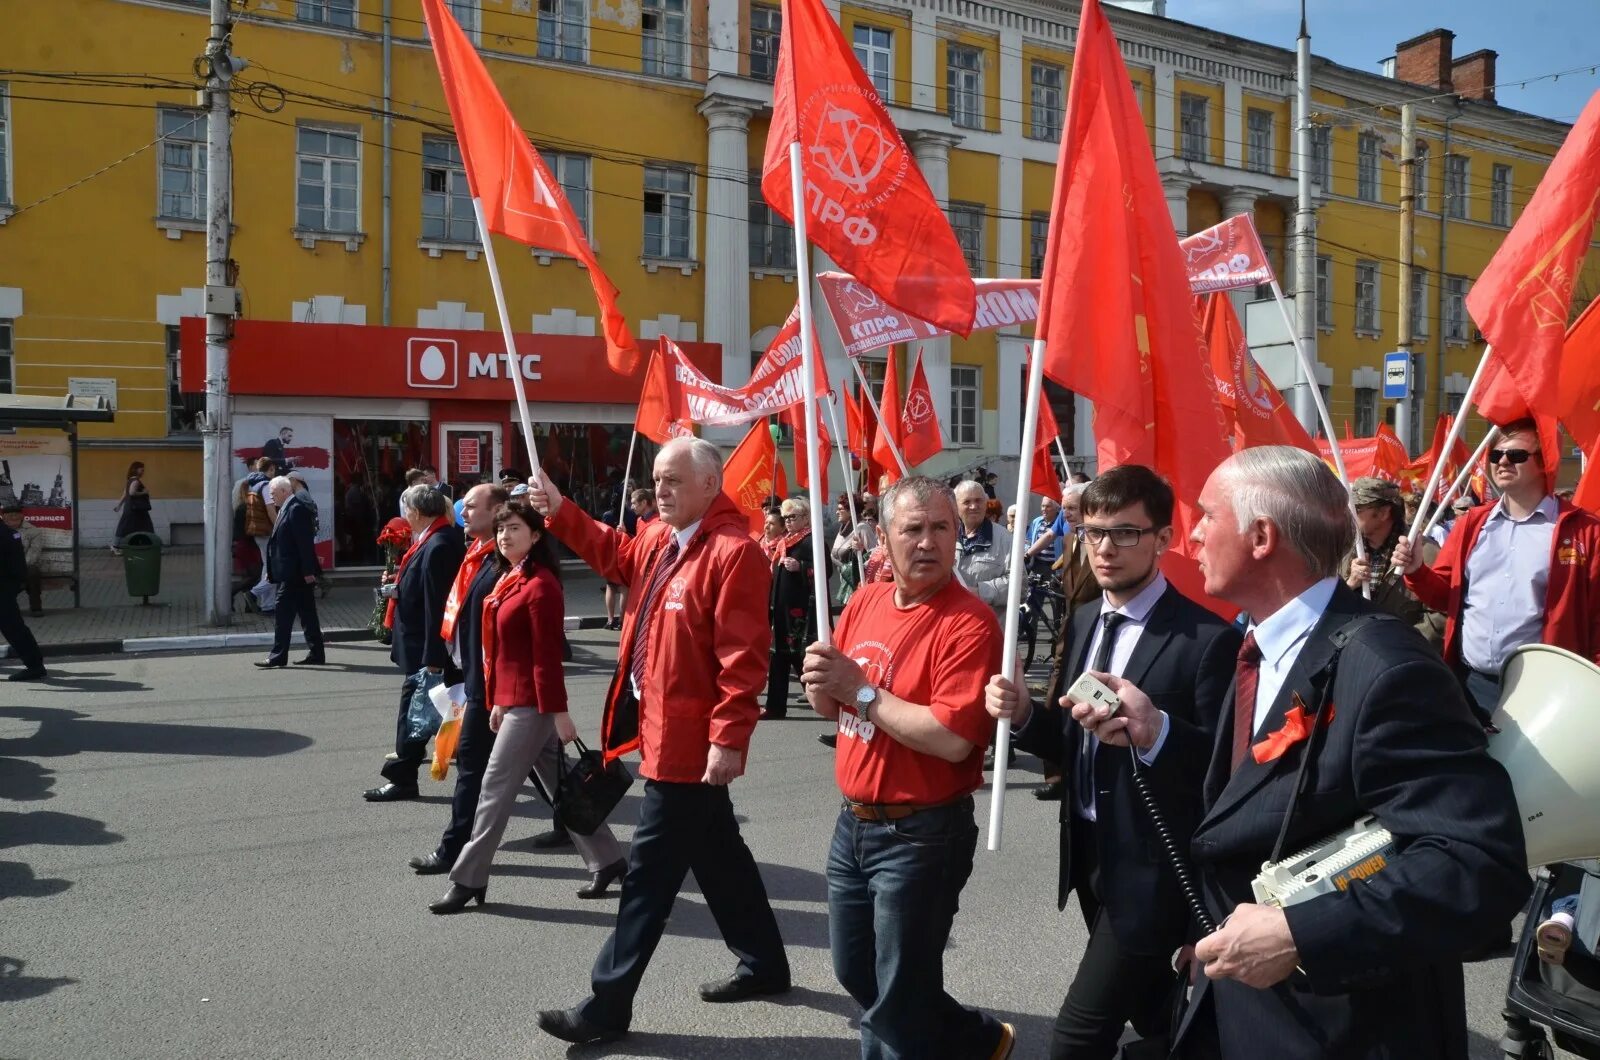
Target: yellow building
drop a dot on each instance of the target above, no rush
(350, 208)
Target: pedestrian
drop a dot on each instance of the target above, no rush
(692, 663)
(983, 548)
(414, 476)
(850, 546)
(1380, 520)
(13, 579)
(1524, 570)
(523, 679)
(771, 533)
(292, 566)
(1147, 632)
(32, 554)
(259, 516)
(792, 606)
(418, 593)
(1373, 971)
(134, 505)
(904, 679)
(1042, 557)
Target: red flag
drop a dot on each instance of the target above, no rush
(919, 424)
(1578, 389)
(867, 203)
(1043, 478)
(751, 472)
(519, 196)
(662, 414)
(1520, 302)
(891, 435)
(1115, 284)
(855, 426)
(1415, 476)
(1226, 256)
(1251, 406)
(795, 417)
(1382, 456)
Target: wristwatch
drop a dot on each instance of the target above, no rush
(866, 697)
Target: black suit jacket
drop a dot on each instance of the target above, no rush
(1184, 661)
(291, 548)
(419, 603)
(1382, 959)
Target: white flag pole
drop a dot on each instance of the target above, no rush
(1449, 443)
(877, 414)
(1066, 468)
(1015, 583)
(1461, 480)
(808, 368)
(627, 470)
(843, 452)
(513, 362)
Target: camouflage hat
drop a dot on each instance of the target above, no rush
(1368, 490)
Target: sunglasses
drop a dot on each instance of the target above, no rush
(1516, 456)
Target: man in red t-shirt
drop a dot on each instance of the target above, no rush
(905, 682)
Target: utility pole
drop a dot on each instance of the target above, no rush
(1305, 233)
(217, 428)
(1408, 243)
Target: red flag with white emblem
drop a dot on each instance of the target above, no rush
(919, 422)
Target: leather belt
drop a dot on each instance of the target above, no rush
(896, 811)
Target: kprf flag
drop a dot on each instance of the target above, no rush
(774, 385)
(1252, 409)
(919, 421)
(1416, 474)
(662, 414)
(1225, 256)
(866, 322)
(752, 476)
(890, 438)
(1382, 456)
(1578, 389)
(520, 198)
(795, 417)
(867, 203)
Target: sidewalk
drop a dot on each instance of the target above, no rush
(110, 620)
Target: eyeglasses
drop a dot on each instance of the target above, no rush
(795, 515)
(1516, 456)
(1121, 536)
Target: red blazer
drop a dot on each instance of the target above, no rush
(526, 668)
(1572, 596)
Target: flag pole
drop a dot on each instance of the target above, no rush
(1014, 585)
(808, 370)
(1461, 479)
(877, 414)
(1066, 468)
(1449, 443)
(513, 362)
(627, 469)
(842, 451)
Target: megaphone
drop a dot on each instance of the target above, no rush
(1548, 715)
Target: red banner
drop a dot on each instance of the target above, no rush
(774, 385)
(1226, 256)
(1381, 456)
(866, 322)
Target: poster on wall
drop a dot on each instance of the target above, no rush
(299, 444)
(37, 472)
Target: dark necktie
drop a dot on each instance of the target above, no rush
(640, 650)
(1109, 623)
(1246, 676)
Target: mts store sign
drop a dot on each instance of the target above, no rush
(353, 360)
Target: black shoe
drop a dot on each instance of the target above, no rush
(430, 864)
(391, 793)
(768, 714)
(740, 987)
(828, 739)
(1051, 792)
(599, 881)
(615, 625)
(273, 661)
(556, 837)
(458, 898)
(569, 1025)
(312, 660)
(32, 673)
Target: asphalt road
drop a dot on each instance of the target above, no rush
(188, 871)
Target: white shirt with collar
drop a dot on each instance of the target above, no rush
(1280, 638)
(683, 537)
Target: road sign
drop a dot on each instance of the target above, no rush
(1396, 376)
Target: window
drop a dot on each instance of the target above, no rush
(771, 237)
(1367, 146)
(766, 28)
(182, 178)
(1038, 238)
(966, 220)
(1452, 402)
(964, 85)
(563, 24)
(468, 14)
(572, 173)
(1455, 309)
(1324, 292)
(8, 352)
(1194, 119)
(1322, 156)
(664, 26)
(328, 179)
(1419, 303)
(1366, 412)
(446, 198)
(874, 368)
(966, 397)
(1499, 196)
(329, 12)
(1455, 185)
(1367, 297)
(668, 213)
(1419, 177)
(1047, 81)
(875, 52)
(1259, 158)
(5, 145)
(183, 410)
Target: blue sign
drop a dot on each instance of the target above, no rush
(1396, 376)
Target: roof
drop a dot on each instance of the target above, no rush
(46, 410)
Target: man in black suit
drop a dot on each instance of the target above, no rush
(423, 583)
(1152, 635)
(292, 566)
(1374, 970)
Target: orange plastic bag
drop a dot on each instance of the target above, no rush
(444, 744)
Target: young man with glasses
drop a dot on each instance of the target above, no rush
(1520, 571)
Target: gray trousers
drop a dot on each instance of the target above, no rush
(523, 743)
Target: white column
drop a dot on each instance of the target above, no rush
(1013, 82)
(1177, 189)
(727, 249)
(1013, 352)
(1233, 124)
(723, 36)
(924, 45)
(1166, 107)
(933, 158)
(1011, 228)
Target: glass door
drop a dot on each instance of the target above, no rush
(469, 453)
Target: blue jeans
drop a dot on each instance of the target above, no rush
(893, 891)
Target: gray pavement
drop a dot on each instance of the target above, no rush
(188, 871)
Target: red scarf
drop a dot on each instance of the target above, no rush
(475, 556)
(388, 612)
(780, 549)
(878, 567)
(509, 583)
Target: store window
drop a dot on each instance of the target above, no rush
(370, 460)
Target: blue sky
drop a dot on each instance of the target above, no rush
(1533, 37)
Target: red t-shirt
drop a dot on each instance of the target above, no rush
(939, 653)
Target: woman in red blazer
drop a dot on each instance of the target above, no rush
(527, 694)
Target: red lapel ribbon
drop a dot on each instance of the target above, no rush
(1296, 727)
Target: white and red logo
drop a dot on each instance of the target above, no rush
(675, 593)
(432, 364)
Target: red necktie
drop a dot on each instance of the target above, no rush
(1246, 676)
(641, 634)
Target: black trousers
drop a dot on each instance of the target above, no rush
(403, 771)
(781, 665)
(683, 827)
(1113, 986)
(472, 758)
(16, 631)
(296, 598)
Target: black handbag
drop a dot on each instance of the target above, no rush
(589, 790)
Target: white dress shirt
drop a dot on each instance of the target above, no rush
(1280, 638)
(1136, 614)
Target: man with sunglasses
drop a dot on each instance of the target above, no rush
(1520, 571)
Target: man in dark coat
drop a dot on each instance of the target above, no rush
(13, 578)
(292, 566)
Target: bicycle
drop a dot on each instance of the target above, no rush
(1035, 614)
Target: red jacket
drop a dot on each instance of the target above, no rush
(1572, 597)
(708, 639)
(526, 669)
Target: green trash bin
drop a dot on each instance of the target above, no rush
(141, 564)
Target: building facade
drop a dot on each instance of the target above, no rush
(351, 211)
